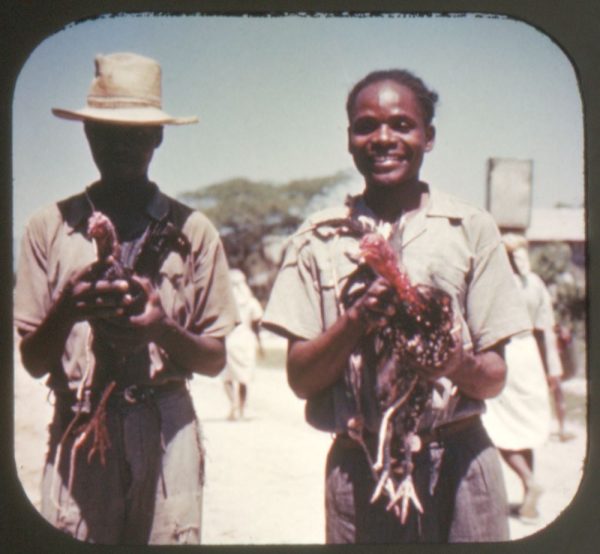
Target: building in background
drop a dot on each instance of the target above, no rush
(562, 224)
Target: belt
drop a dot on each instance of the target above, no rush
(134, 394)
(67, 403)
(444, 432)
(438, 434)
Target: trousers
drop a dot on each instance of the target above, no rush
(149, 488)
(459, 483)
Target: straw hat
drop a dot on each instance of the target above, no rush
(126, 90)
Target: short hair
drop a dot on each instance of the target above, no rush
(427, 98)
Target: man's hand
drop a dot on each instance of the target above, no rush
(315, 364)
(130, 332)
(374, 308)
(86, 298)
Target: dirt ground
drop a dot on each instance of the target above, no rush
(265, 473)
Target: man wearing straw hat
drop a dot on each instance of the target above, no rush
(122, 294)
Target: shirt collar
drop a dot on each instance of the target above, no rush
(439, 204)
(78, 209)
(443, 205)
(158, 206)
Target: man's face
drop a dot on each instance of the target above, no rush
(122, 153)
(520, 258)
(387, 135)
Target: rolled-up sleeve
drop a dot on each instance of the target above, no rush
(213, 311)
(294, 307)
(32, 293)
(494, 309)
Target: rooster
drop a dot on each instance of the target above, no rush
(108, 265)
(160, 239)
(418, 336)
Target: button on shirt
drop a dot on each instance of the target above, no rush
(194, 289)
(447, 244)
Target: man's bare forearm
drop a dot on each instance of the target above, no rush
(197, 353)
(42, 349)
(481, 375)
(313, 365)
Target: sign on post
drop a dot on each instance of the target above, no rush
(509, 192)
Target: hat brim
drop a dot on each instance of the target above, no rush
(124, 116)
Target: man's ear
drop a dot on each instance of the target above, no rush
(430, 136)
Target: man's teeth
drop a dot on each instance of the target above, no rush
(388, 158)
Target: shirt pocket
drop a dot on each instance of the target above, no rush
(336, 263)
(446, 275)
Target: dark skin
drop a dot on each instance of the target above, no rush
(388, 138)
(122, 155)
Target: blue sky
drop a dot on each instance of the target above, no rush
(270, 95)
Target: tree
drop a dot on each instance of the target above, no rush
(552, 262)
(254, 218)
(566, 283)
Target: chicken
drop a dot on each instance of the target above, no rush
(160, 239)
(418, 336)
(102, 231)
(108, 265)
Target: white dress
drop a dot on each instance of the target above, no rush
(241, 344)
(519, 418)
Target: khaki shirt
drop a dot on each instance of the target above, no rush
(447, 244)
(195, 291)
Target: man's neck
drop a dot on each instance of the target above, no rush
(122, 194)
(390, 203)
(124, 203)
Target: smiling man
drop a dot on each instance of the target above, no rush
(122, 294)
(453, 491)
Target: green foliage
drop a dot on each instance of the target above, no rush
(249, 215)
(277, 209)
(552, 262)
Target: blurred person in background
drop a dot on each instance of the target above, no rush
(518, 421)
(242, 345)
